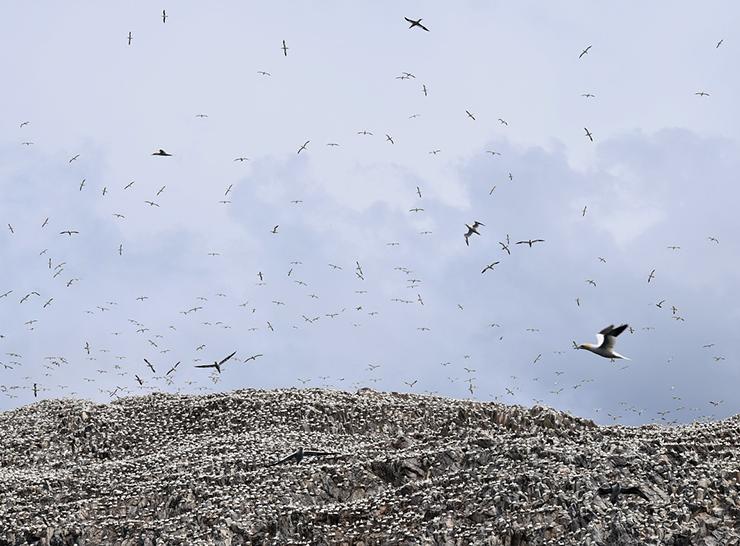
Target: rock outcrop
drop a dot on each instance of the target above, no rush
(194, 470)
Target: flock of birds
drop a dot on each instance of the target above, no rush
(604, 346)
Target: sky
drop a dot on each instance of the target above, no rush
(367, 280)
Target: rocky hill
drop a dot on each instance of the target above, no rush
(404, 469)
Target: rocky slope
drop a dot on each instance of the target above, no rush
(195, 470)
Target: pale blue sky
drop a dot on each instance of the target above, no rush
(661, 172)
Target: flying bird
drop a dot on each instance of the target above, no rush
(300, 454)
(489, 266)
(416, 23)
(215, 364)
(164, 16)
(162, 153)
(584, 52)
(530, 242)
(472, 229)
(285, 49)
(303, 147)
(471, 116)
(615, 490)
(651, 276)
(130, 37)
(701, 94)
(253, 357)
(605, 341)
(588, 134)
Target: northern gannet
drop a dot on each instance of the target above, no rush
(416, 23)
(615, 489)
(300, 454)
(472, 229)
(605, 341)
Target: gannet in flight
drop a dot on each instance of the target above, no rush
(300, 454)
(416, 23)
(605, 341)
(215, 364)
(616, 489)
(472, 229)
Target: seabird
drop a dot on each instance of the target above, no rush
(416, 23)
(215, 364)
(530, 242)
(605, 341)
(472, 229)
(300, 454)
(584, 52)
(161, 152)
(588, 134)
(489, 266)
(614, 490)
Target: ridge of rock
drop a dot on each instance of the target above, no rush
(405, 469)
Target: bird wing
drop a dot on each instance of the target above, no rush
(228, 357)
(205, 365)
(286, 459)
(309, 453)
(609, 336)
(618, 330)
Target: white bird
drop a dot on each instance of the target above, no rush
(605, 341)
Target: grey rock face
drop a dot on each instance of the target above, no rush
(194, 470)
